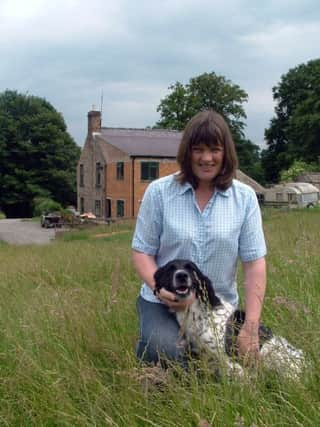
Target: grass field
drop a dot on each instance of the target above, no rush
(68, 329)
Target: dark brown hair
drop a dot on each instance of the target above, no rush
(209, 128)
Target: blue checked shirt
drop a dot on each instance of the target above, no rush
(170, 225)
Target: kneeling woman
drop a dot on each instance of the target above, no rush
(201, 213)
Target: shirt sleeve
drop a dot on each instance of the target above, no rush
(146, 238)
(252, 244)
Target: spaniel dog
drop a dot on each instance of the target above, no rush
(212, 324)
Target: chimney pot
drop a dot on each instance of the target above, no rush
(94, 121)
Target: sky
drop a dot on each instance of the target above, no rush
(124, 54)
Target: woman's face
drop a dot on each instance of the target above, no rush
(206, 162)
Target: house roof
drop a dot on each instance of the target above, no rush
(249, 181)
(143, 142)
(309, 177)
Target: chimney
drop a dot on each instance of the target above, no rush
(94, 121)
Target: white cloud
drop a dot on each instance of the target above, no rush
(68, 51)
(281, 40)
(260, 100)
(60, 21)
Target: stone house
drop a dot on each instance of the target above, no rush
(116, 165)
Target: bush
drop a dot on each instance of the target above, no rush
(42, 204)
(297, 168)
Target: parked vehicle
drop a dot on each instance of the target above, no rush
(293, 194)
(51, 220)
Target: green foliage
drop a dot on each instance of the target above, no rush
(207, 91)
(294, 131)
(249, 159)
(297, 168)
(42, 205)
(210, 91)
(37, 155)
(69, 326)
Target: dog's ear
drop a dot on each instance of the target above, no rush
(157, 277)
(161, 277)
(204, 288)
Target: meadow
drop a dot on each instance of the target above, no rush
(68, 328)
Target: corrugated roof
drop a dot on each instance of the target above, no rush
(143, 142)
(305, 187)
(295, 187)
(309, 176)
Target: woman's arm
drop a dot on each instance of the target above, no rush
(145, 266)
(254, 288)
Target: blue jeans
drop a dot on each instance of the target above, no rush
(160, 337)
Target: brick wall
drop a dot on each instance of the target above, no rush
(166, 167)
(119, 189)
(123, 189)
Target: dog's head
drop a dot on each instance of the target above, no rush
(182, 277)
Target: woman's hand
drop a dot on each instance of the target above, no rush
(172, 302)
(248, 342)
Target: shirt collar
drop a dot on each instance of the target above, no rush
(224, 193)
(183, 188)
(187, 186)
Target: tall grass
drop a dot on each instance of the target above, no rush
(68, 329)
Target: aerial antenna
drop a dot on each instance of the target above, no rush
(101, 104)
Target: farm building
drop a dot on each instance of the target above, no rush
(310, 177)
(293, 194)
(116, 165)
(258, 188)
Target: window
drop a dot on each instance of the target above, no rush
(108, 208)
(97, 207)
(98, 174)
(279, 197)
(260, 198)
(120, 208)
(81, 205)
(149, 171)
(81, 176)
(292, 198)
(120, 170)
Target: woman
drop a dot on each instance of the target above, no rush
(205, 215)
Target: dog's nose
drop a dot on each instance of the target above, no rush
(181, 277)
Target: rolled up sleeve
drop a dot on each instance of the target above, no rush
(146, 238)
(252, 244)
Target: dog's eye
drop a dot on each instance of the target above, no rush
(188, 266)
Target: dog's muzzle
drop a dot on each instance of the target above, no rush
(182, 283)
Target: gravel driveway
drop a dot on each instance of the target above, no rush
(22, 232)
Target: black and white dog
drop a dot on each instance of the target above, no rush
(212, 324)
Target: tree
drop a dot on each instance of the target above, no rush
(297, 168)
(210, 91)
(249, 159)
(294, 132)
(207, 91)
(37, 155)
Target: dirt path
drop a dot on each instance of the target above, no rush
(23, 232)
